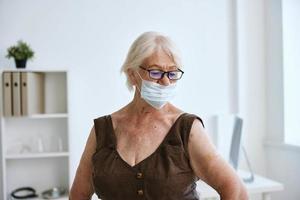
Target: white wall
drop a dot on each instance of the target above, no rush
(91, 39)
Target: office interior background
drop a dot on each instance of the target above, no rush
(240, 57)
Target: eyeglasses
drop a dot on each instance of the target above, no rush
(159, 74)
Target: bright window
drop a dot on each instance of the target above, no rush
(291, 69)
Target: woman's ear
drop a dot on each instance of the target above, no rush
(131, 76)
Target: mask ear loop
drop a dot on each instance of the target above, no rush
(141, 79)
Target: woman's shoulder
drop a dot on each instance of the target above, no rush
(190, 118)
(110, 118)
(101, 120)
(114, 114)
(176, 111)
(101, 117)
(186, 114)
(192, 115)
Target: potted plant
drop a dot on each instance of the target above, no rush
(21, 53)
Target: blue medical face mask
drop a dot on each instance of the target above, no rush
(155, 94)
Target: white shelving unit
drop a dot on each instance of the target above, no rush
(35, 148)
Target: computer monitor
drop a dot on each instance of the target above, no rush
(231, 136)
(235, 147)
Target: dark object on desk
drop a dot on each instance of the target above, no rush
(24, 193)
(54, 193)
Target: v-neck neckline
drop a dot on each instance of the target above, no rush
(148, 157)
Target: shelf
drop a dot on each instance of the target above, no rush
(37, 155)
(50, 70)
(52, 115)
(35, 144)
(41, 116)
(60, 198)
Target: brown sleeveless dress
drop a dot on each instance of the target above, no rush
(164, 175)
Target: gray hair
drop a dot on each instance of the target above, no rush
(144, 46)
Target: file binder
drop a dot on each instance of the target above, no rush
(16, 93)
(7, 94)
(32, 93)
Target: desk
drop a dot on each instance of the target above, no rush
(260, 185)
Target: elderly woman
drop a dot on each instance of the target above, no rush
(150, 149)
